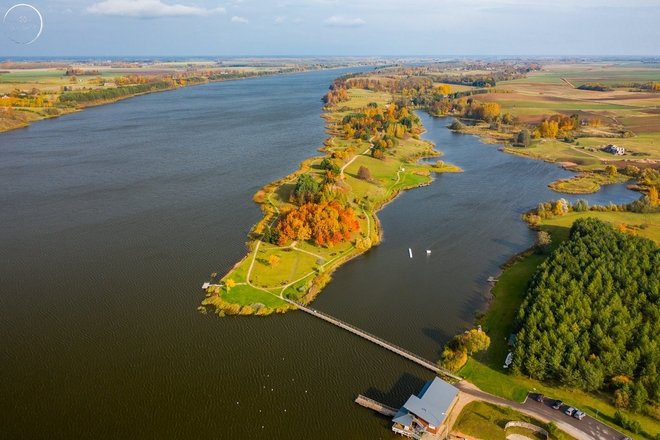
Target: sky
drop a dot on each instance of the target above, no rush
(338, 27)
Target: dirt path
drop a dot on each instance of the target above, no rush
(568, 83)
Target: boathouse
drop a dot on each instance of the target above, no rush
(426, 412)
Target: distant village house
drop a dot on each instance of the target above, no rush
(615, 149)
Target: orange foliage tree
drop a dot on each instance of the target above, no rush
(326, 223)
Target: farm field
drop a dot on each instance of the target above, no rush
(29, 92)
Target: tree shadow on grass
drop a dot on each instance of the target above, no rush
(284, 191)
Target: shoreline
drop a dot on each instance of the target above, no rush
(370, 229)
(82, 107)
(592, 181)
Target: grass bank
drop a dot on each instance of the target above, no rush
(586, 183)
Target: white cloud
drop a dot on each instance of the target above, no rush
(280, 19)
(148, 9)
(237, 19)
(342, 21)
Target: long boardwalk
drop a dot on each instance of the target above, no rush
(375, 339)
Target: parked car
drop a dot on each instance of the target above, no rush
(539, 397)
(557, 404)
(569, 411)
(579, 414)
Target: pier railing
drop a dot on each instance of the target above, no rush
(376, 340)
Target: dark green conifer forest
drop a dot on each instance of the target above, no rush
(591, 317)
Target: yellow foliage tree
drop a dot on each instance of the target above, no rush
(274, 260)
(443, 89)
(653, 196)
(453, 359)
(230, 283)
(549, 129)
(490, 111)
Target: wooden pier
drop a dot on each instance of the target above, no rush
(376, 340)
(376, 406)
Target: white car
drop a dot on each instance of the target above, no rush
(569, 411)
(579, 414)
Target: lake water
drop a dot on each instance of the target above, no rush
(113, 217)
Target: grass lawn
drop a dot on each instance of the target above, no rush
(644, 225)
(646, 143)
(587, 183)
(292, 265)
(245, 295)
(486, 370)
(487, 421)
(556, 151)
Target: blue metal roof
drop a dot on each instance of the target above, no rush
(433, 401)
(403, 418)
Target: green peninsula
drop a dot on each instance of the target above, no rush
(324, 214)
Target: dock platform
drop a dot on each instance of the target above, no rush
(376, 406)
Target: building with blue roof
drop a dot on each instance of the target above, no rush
(426, 412)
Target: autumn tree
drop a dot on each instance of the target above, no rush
(327, 224)
(274, 260)
(329, 165)
(364, 173)
(549, 129)
(560, 207)
(543, 242)
(453, 359)
(475, 340)
(611, 170)
(443, 89)
(490, 111)
(653, 196)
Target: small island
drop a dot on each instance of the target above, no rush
(324, 214)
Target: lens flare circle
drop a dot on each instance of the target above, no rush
(23, 23)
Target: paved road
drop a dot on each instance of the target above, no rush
(585, 429)
(588, 425)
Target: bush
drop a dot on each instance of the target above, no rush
(453, 359)
(543, 242)
(364, 173)
(524, 138)
(456, 125)
(627, 423)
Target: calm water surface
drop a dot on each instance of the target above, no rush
(112, 218)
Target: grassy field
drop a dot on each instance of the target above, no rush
(303, 268)
(486, 369)
(553, 91)
(586, 183)
(644, 225)
(487, 422)
(49, 82)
